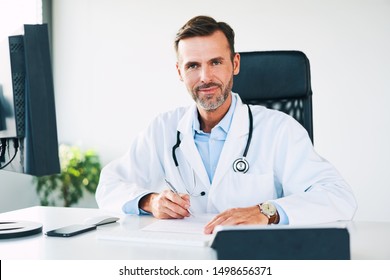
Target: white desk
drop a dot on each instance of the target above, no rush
(369, 240)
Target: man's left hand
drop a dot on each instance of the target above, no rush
(237, 216)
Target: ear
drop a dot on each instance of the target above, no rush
(236, 64)
(178, 71)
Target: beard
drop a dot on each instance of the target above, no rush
(211, 103)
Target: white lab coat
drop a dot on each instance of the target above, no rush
(283, 167)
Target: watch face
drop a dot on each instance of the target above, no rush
(268, 209)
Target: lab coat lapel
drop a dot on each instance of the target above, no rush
(235, 142)
(188, 148)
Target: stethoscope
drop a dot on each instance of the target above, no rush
(240, 165)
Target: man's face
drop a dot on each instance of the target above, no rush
(205, 66)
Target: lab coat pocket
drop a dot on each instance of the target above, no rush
(245, 190)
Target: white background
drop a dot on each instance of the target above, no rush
(114, 69)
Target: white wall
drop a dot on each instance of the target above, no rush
(115, 69)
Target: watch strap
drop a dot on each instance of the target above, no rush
(274, 219)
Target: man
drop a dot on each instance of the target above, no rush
(190, 160)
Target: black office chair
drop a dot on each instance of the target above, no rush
(278, 80)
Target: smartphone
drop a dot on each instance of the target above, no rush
(70, 230)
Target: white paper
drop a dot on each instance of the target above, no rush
(192, 224)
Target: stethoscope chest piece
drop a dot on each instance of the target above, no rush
(241, 165)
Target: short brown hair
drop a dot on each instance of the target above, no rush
(205, 26)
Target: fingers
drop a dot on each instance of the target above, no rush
(170, 205)
(236, 216)
(224, 218)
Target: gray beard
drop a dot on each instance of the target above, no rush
(207, 104)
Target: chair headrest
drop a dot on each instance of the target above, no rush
(273, 75)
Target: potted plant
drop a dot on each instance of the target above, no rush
(80, 171)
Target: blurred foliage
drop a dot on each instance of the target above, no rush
(80, 172)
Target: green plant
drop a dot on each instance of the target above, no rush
(80, 172)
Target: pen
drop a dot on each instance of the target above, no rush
(176, 192)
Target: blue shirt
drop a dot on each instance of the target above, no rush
(210, 144)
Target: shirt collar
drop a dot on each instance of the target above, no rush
(224, 124)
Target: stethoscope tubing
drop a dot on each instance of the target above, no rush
(250, 132)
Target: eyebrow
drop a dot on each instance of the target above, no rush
(186, 65)
(219, 58)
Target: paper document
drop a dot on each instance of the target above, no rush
(193, 224)
(183, 232)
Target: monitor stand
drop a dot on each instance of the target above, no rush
(13, 229)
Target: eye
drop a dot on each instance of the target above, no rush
(192, 66)
(216, 62)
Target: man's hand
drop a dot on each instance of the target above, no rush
(237, 216)
(166, 205)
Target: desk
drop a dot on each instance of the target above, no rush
(369, 240)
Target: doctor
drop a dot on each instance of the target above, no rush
(246, 164)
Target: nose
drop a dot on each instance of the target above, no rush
(206, 74)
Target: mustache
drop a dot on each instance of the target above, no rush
(208, 85)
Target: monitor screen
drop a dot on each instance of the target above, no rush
(28, 130)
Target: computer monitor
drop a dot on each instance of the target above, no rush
(28, 129)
